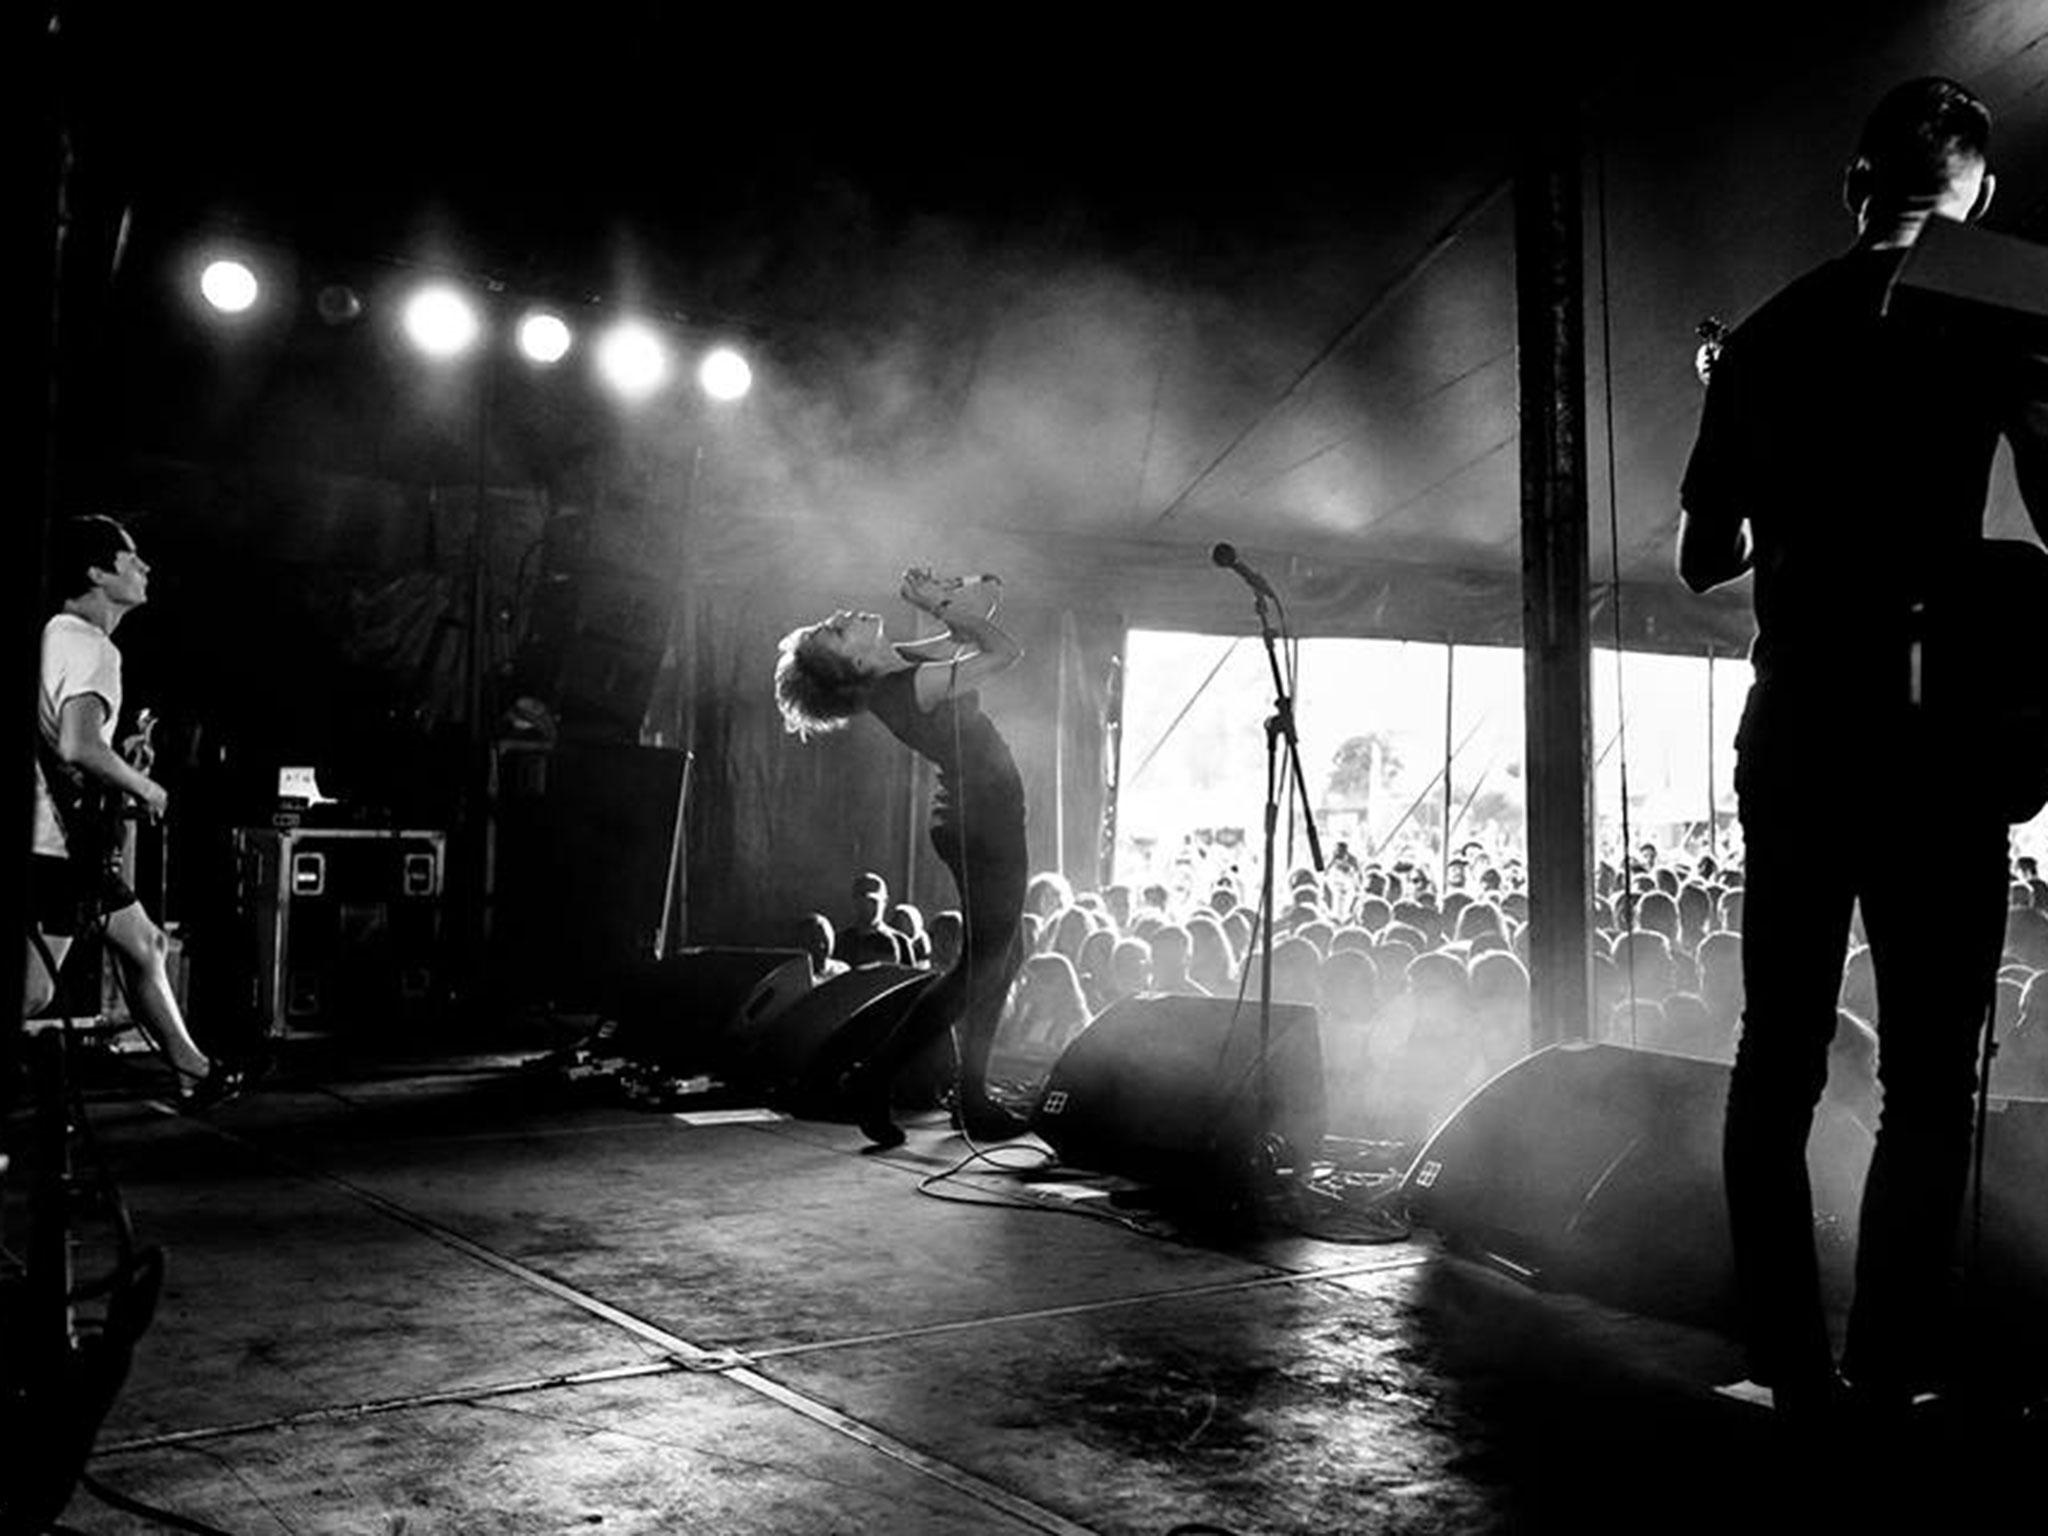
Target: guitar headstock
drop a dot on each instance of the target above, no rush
(140, 746)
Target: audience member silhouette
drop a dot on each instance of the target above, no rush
(1172, 949)
(1297, 972)
(868, 939)
(1046, 1012)
(1093, 964)
(1130, 970)
(815, 937)
(1210, 966)
(908, 921)
(1720, 966)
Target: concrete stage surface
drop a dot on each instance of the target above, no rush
(460, 1295)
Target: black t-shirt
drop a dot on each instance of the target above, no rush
(858, 945)
(1859, 446)
(980, 795)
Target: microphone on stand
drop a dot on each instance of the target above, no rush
(1225, 555)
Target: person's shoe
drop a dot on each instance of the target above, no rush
(1810, 1397)
(868, 1103)
(882, 1133)
(221, 1084)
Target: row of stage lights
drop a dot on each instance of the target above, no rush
(442, 320)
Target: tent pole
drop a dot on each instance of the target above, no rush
(1443, 879)
(1557, 660)
(1713, 830)
(1061, 727)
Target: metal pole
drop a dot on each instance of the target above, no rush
(1062, 726)
(1557, 659)
(1713, 827)
(36, 236)
(1443, 879)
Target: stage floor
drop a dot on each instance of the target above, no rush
(455, 1296)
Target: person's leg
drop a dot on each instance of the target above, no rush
(54, 901)
(865, 1088)
(969, 995)
(140, 949)
(988, 991)
(1936, 922)
(992, 880)
(1794, 938)
(41, 975)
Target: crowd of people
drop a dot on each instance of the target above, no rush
(1419, 972)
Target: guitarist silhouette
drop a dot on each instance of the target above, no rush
(1844, 457)
(81, 781)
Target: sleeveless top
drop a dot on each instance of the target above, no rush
(980, 794)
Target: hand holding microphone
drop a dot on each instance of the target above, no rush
(941, 596)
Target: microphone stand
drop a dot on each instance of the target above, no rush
(1279, 728)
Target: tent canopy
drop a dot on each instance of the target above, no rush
(1076, 307)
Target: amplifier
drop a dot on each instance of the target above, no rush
(347, 924)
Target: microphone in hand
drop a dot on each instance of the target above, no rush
(938, 595)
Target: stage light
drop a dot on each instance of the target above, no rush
(338, 304)
(633, 359)
(229, 286)
(441, 322)
(724, 374)
(544, 337)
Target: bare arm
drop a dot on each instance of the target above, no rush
(1711, 550)
(2028, 436)
(989, 651)
(1715, 542)
(79, 743)
(940, 647)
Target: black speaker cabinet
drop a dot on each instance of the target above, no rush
(1596, 1170)
(594, 645)
(347, 924)
(1172, 1091)
(585, 846)
(796, 1055)
(680, 1014)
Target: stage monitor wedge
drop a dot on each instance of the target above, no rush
(1169, 1090)
(1596, 1170)
(682, 1013)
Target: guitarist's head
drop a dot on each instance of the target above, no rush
(1922, 154)
(96, 570)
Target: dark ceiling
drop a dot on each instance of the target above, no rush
(1245, 275)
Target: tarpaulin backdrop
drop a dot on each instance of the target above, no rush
(381, 633)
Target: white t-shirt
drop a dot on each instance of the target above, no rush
(79, 658)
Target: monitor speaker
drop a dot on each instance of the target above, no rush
(1596, 1169)
(2006, 1251)
(593, 649)
(584, 848)
(797, 1049)
(1172, 1091)
(681, 1013)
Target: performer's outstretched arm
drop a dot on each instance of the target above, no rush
(940, 647)
(981, 647)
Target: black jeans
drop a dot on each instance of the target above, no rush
(991, 881)
(1837, 811)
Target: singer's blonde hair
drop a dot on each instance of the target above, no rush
(817, 689)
